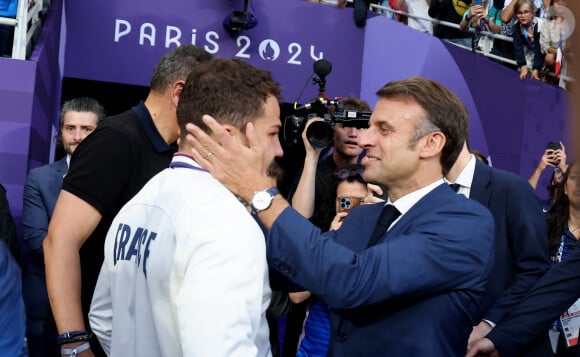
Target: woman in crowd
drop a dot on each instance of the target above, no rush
(553, 31)
(563, 232)
(554, 156)
(351, 190)
(526, 34)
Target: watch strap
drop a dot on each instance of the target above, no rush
(272, 191)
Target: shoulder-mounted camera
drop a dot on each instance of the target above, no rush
(320, 134)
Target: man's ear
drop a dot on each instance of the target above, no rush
(434, 143)
(236, 134)
(176, 89)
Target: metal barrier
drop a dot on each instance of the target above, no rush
(26, 24)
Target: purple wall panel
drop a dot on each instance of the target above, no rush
(30, 97)
(395, 51)
(289, 37)
(510, 120)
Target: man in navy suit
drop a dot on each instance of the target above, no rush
(78, 118)
(553, 293)
(412, 289)
(521, 243)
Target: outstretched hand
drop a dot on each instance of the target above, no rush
(235, 165)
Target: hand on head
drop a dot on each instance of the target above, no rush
(236, 166)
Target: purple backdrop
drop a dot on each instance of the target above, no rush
(120, 42)
(29, 97)
(510, 120)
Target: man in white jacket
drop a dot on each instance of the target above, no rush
(185, 270)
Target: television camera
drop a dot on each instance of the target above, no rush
(320, 134)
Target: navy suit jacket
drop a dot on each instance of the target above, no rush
(552, 294)
(416, 293)
(521, 238)
(41, 190)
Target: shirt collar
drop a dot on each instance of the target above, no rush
(465, 178)
(151, 130)
(405, 203)
(184, 158)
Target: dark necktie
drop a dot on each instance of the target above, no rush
(455, 187)
(388, 216)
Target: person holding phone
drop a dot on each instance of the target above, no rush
(351, 191)
(554, 156)
(481, 17)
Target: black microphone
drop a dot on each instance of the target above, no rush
(322, 68)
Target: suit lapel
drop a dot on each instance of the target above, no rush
(420, 208)
(356, 236)
(480, 191)
(61, 167)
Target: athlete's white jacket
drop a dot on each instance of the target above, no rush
(185, 273)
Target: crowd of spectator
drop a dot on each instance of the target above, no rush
(562, 218)
(537, 31)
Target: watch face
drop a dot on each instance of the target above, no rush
(261, 200)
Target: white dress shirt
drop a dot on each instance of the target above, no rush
(465, 178)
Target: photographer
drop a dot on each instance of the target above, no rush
(314, 186)
(351, 190)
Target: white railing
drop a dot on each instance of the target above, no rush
(26, 25)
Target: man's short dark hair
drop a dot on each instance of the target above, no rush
(230, 90)
(352, 103)
(176, 65)
(81, 104)
(444, 110)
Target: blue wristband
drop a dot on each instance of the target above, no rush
(73, 352)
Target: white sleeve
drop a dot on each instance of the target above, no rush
(220, 302)
(101, 313)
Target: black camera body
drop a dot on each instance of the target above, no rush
(320, 134)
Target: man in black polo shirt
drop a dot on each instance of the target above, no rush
(107, 169)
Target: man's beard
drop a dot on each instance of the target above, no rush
(275, 171)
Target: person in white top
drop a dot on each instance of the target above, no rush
(185, 270)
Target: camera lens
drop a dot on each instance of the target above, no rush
(320, 134)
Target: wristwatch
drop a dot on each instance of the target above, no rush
(263, 199)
